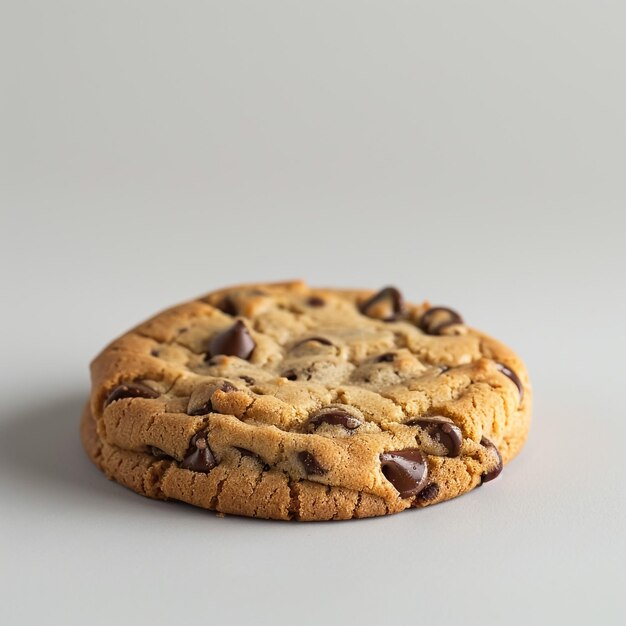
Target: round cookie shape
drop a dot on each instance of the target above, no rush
(283, 401)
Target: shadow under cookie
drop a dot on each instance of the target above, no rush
(40, 452)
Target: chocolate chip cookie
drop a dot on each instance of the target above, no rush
(287, 402)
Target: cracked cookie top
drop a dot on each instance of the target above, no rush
(353, 389)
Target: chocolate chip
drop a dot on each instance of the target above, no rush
(387, 305)
(131, 390)
(334, 415)
(437, 318)
(311, 464)
(199, 457)
(406, 470)
(290, 375)
(227, 387)
(158, 453)
(248, 379)
(388, 357)
(154, 352)
(495, 472)
(235, 341)
(254, 455)
(227, 306)
(322, 340)
(443, 430)
(428, 493)
(316, 301)
(509, 373)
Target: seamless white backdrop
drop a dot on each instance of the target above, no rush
(471, 153)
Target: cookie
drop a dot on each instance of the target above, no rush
(286, 402)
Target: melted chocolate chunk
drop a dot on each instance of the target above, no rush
(388, 357)
(322, 340)
(509, 373)
(131, 390)
(495, 472)
(199, 457)
(311, 464)
(316, 301)
(154, 352)
(235, 341)
(443, 430)
(334, 416)
(406, 470)
(428, 493)
(248, 379)
(437, 318)
(387, 305)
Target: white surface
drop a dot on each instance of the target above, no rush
(471, 153)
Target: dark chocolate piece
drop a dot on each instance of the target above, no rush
(443, 430)
(131, 390)
(406, 470)
(333, 416)
(311, 464)
(429, 492)
(388, 298)
(509, 373)
(316, 301)
(235, 341)
(199, 457)
(227, 386)
(495, 472)
(437, 318)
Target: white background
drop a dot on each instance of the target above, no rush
(472, 153)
